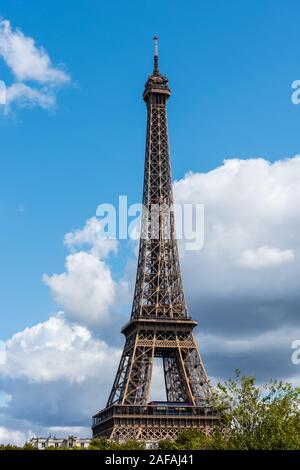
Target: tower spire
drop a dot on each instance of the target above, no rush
(156, 69)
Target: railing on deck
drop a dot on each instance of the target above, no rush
(168, 409)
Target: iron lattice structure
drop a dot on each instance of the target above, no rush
(159, 325)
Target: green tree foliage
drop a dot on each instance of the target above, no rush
(258, 417)
(131, 444)
(105, 444)
(9, 447)
(251, 417)
(28, 446)
(190, 439)
(100, 443)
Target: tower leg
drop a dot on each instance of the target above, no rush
(176, 389)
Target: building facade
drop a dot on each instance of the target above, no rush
(70, 442)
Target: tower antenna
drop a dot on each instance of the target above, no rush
(155, 39)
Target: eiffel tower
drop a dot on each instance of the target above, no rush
(159, 325)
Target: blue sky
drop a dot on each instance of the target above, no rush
(230, 65)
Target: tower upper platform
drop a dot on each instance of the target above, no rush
(157, 84)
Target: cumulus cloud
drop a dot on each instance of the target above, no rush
(5, 399)
(87, 290)
(45, 352)
(244, 283)
(18, 431)
(91, 236)
(249, 205)
(36, 79)
(2, 352)
(57, 375)
(264, 257)
(13, 437)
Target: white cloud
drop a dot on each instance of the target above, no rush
(28, 63)
(57, 375)
(92, 236)
(18, 433)
(157, 389)
(14, 437)
(243, 286)
(86, 291)
(26, 60)
(27, 96)
(264, 257)
(248, 204)
(2, 352)
(5, 399)
(54, 350)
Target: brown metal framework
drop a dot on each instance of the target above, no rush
(159, 325)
